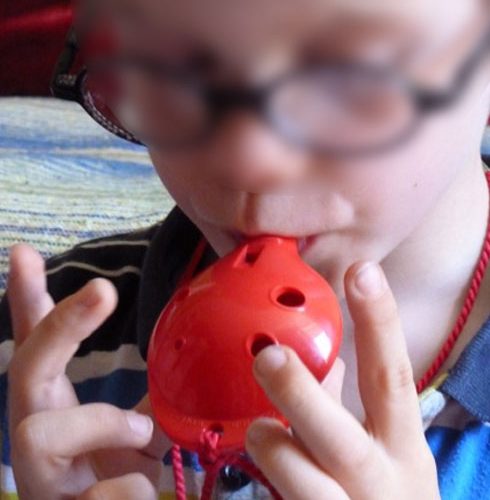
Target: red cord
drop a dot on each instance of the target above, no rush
(177, 465)
(178, 468)
(195, 260)
(469, 302)
(254, 472)
(210, 460)
(213, 462)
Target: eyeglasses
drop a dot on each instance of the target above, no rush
(339, 108)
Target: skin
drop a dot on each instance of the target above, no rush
(401, 211)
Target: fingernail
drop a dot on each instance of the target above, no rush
(140, 424)
(270, 360)
(88, 297)
(369, 280)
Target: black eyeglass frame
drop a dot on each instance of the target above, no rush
(221, 100)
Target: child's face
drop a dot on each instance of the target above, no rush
(247, 180)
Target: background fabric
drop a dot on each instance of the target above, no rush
(64, 179)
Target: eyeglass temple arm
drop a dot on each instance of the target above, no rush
(63, 84)
(467, 70)
(433, 101)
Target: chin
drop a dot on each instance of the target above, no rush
(331, 257)
(221, 242)
(332, 270)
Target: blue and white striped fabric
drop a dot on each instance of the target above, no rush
(486, 143)
(64, 179)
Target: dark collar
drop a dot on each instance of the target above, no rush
(469, 381)
(171, 249)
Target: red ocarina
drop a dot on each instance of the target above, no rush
(202, 349)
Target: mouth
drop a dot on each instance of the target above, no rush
(304, 242)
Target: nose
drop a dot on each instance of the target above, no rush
(247, 155)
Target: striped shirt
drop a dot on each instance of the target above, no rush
(109, 366)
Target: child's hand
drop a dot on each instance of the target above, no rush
(59, 448)
(330, 454)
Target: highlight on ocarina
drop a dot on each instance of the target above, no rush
(203, 346)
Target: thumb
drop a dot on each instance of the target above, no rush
(334, 380)
(160, 444)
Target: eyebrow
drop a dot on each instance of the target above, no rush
(353, 40)
(345, 39)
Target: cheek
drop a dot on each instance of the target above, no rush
(391, 204)
(399, 217)
(397, 191)
(395, 194)
(175, 175)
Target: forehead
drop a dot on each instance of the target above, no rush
(234, 29)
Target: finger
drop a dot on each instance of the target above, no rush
(71, 432)
(27, 291)
(160, 444)
(334, 381)
(129, 487)
(45, 354)
(287, 466)
(149, 458)
(36, 372)
(332, 384)
(385, 373)
(331, 434)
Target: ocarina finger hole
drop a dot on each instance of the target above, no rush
(290, 297)
(217, 428)
(249, 255)
(253, 253)
(179, 344)
(260, 341)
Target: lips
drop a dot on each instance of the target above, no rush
(304, 242)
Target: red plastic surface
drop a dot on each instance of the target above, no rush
(202, 349)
